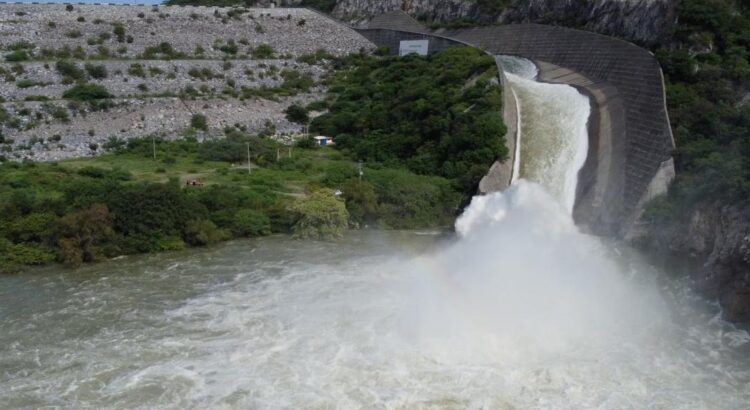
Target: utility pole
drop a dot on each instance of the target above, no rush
(360, 172)
(249, 169)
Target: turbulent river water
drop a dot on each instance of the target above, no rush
(519, 310)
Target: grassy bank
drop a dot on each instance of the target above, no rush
(126, 202)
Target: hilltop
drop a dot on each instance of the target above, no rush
(161, 66)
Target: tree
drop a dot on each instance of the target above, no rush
(82, 234)
(199, 122)
(361, 200)
(249, 222)
(203, 232)
(320, 215)
(296, 113)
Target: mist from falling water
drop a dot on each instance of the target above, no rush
(521, 311)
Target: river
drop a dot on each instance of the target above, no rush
(518, 310)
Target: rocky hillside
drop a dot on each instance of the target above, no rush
(159, 67)
(712, 243)
(644, 21)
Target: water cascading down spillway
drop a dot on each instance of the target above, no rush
(553, 133)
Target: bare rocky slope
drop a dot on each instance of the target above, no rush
(211, 68)
(643, 21)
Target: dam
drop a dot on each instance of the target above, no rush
(629, 160)
(520, 309)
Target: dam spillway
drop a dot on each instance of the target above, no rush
(629, 160)
(552, 137)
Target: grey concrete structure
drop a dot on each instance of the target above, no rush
(630, 155)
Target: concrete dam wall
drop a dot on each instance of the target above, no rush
(630, 149)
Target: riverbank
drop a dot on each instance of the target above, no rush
(381, 318)
(194, 194)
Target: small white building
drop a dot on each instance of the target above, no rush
(323, 140)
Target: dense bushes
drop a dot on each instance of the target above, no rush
(438, 115)
(706, 68)
(320, 216)
(87, 92)
(50, 213)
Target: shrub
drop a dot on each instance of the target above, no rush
(15, 56)
(87, 92)
(73, 34)
(296, 113)
(57, 112)
(263, 51)
(96, 71)
(249, 222)
(320, 216)
(229, 48)
(137, 70)
(119, 31)
(69, 69)
(204, 232)
(69, 7)
(199, 122)
(82, 234)
(26, 83)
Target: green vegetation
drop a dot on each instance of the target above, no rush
(707, 69)
(437, 115)
(163, 50)
(296, 113)
(68, 69)
(294, 83)
(199, 122)
(96, 71)
(87, 92)
(263, 52)
(125, 202)
(320, 216)
(15, 56)
(26, 83)
(322, 5)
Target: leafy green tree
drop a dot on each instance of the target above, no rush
(296, 113)
(249, 222)
(361, 201)
(204, 232)
(320, 215)
(199, 122)
(437, 115)
(83, 234)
